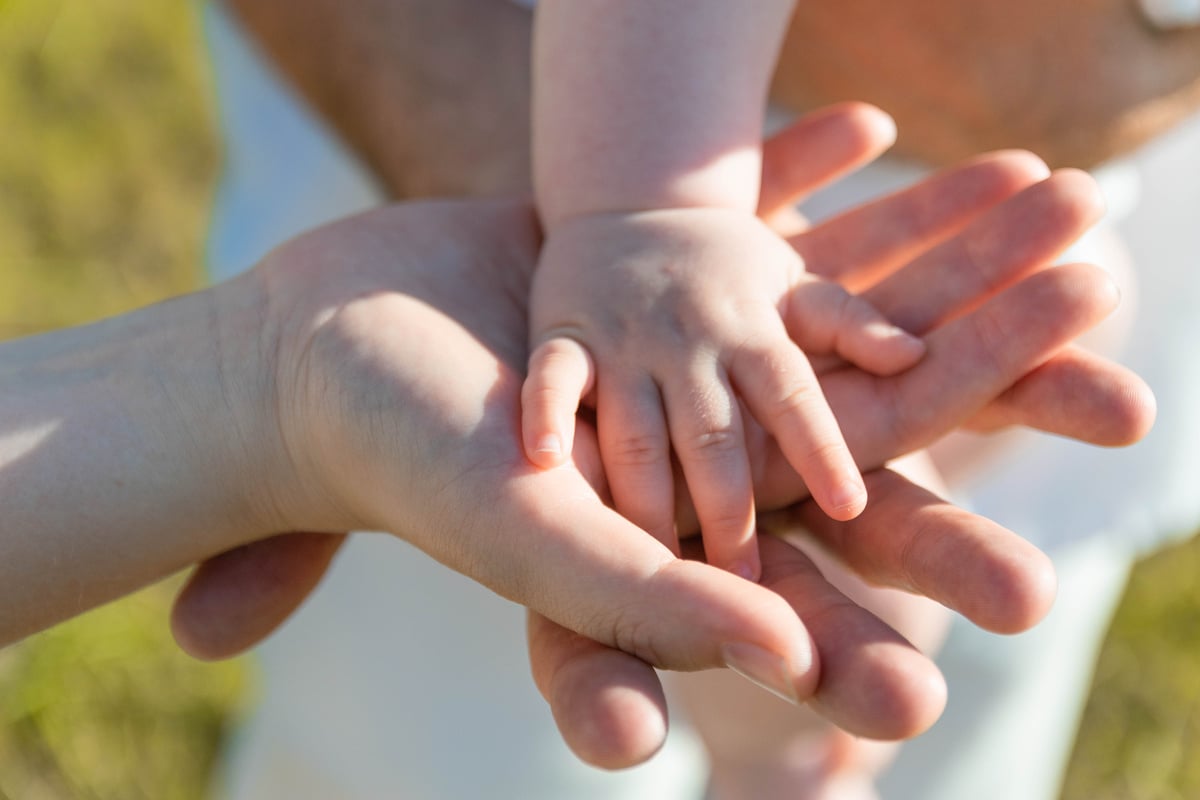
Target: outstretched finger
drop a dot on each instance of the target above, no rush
(859, 247)
(969, 362)
(1017, 237)
(874, 683)
(561, 373)
(609, 706)
(909, 538)
(234, 600)
(1077, 394)
(819, 148)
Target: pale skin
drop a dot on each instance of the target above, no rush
(285, 401)
(396, 68)
(631, 77)
(659, 296)
(1009, 591)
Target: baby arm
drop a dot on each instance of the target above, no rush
(658, 293)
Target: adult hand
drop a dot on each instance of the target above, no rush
(609, 707)
(445, 252)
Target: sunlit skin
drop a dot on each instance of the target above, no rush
(459, 122)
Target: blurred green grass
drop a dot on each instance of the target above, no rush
(105, 178)
(1140, 734)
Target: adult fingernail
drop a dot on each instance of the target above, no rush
(763, 668)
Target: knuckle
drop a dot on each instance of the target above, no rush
(537, 389)
(636, 637)
(714, 442)
(638, 449)
(730, 521)
(794, 401)
(821, 453)
(558, 351)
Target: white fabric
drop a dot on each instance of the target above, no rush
(400, 679)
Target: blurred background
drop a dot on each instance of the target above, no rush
(106, 170)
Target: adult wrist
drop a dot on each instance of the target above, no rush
(125, 456)
(243, 414)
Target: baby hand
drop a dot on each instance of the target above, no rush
(664, 320)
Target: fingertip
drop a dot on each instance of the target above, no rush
(561, 373)
(610, 710)
(234, 600)
(546, 450)
(906, 696)
(1022, 589)
(750, 567)
(895, 349)
(1134, 417)
(194, 643)
(1022, 166)
(879, 122)
(847, 500)
(1082, 187)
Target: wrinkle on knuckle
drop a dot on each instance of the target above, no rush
(631, 633)
(713, 442)
(558, 354)
(925, 535)
(729, 519)
(979, 267)
(793, 402)
(901, 421)
(542, 395)
(820, 453)
(992, 339)
(638, 449)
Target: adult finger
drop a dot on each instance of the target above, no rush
(874, 683)
(1077, 394)
(1073, 394)
(861, 246)
(234, 600)
(908, 538)
(609, 706)
(968, 362)
(979, 356)
(1020, 235)
(594, 572)
(819, 148)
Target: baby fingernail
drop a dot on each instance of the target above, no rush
(549, 443)
(849, 497)
(886, 330)
(762, 668)
(746, 570)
